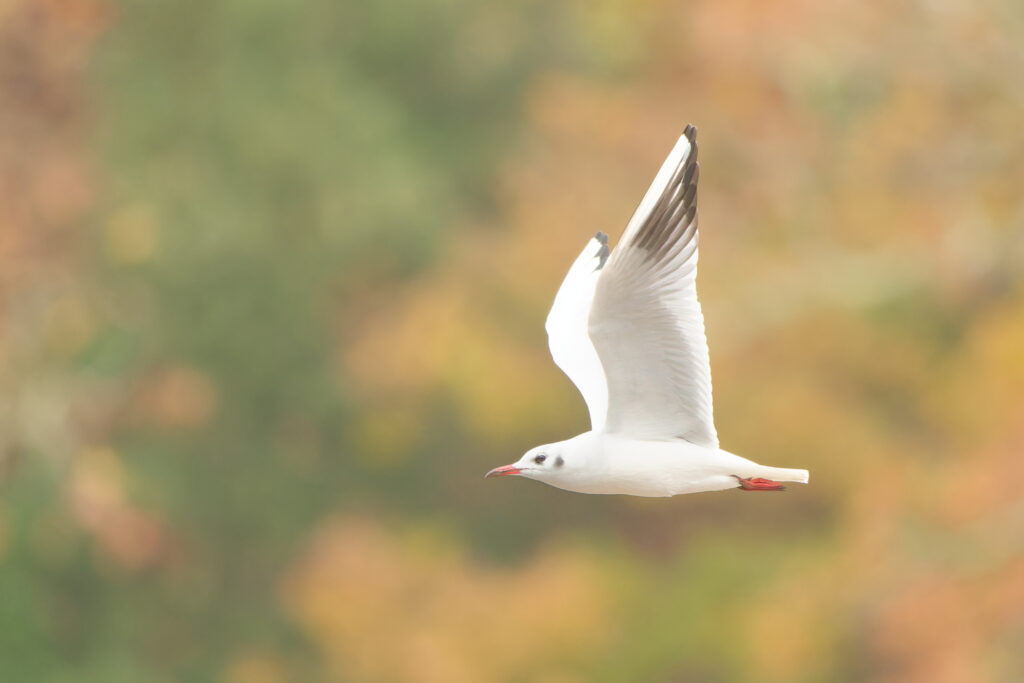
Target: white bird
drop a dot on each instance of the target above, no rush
(627, 329)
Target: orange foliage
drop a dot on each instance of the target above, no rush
(177, 398)
(132, 538)
(386, 608)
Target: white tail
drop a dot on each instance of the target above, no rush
(784, 474)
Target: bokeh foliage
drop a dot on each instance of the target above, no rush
(275, 282)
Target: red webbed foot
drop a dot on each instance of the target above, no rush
(758, 484)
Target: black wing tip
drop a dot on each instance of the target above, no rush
(604, 251)
(675, 212)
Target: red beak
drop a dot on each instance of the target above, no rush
(502, 471)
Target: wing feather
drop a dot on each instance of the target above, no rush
(645, 322)
(567, 324)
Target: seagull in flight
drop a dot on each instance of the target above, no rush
(627, 329)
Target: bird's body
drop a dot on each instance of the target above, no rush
(627, 329)
(611, 463)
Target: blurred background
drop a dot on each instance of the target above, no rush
(273, 278)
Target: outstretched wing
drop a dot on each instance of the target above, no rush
(645, 321)
(567, 329)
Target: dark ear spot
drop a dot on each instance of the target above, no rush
(559, 462)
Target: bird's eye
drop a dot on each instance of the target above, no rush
(540, 459)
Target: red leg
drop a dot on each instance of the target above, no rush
(759, 484)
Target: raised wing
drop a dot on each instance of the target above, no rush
(567, 329)
(645, 320)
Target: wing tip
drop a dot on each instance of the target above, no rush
(675, 211)
(604, 251)
(690, 133)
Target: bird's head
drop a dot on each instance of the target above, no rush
(545, 463)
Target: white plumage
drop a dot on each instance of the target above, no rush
(627, 329)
